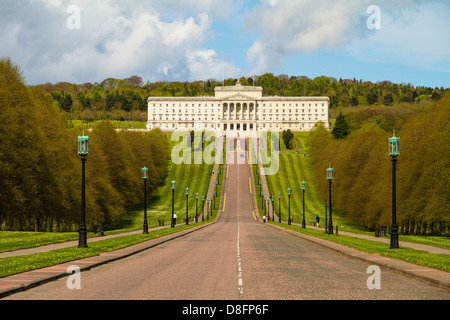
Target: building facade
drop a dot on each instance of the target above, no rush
(237, 109)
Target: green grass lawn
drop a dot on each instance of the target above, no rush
(117, 124)
(293, 169)
(196, 177)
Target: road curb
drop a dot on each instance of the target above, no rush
(433, 276)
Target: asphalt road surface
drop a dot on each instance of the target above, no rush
(236, 258)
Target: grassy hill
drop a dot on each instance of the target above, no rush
(293, 169)
(196, 177)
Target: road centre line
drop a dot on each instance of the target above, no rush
(224, 199)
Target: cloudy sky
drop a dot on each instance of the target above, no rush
(82, 41)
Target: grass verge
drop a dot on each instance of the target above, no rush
(19, 264)
(419, 257)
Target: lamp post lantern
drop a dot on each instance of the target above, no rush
(83, 151)
(172, 223)
(289, 205)
(303, 189)
(330, 179)
(144, 171)
(187, 198)
(394, 153)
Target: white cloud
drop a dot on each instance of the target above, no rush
(412, 32)
(158, 40)
(416, 38)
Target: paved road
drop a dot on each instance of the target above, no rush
(236, 258)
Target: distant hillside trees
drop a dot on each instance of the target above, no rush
(126, 99)
(40, 170)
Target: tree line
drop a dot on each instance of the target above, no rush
(362, 184)
(126, 99)
(40, 170)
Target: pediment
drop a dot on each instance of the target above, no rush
(238, 97)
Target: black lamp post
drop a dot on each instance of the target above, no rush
(303, 189)
(203, 208)
(207, 209)
(289, 205)
(262, 201)
(83, 151)
(279, 207)
(260, 188)
(394, 152)
(330, 178)
(211, 209)
(196, 207)
(144, 178)
(187, 198)
(215, 189)
(172, 223)
(273, 210)
(268, 207)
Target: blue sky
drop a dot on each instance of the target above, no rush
(198, 40)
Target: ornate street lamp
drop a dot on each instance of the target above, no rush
(83, 151)
(394, 152)
(196, 205)
(268, 207)
(172, 223)
(303, 189)
(211, 209)
(273, 209)
(203, 208)
(144, 171)
(330, 179)
(289, 205)
(279, 207)
(187, 198)
(207, 209)
(262, 201)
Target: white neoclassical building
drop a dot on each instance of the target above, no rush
(237, 109)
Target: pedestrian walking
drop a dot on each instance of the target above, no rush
(317, 220)
(264, 218)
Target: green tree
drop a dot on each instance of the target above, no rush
(287, 136)
(341, 128)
